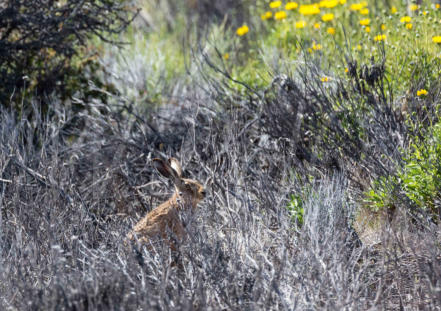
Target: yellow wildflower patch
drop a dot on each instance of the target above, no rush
(355, 7)
(280, 15)
(406, 19)
(328, 17)
(413, 7)
(393, 10)
(266, 15)
(275, 4)
(329, 4)
(300, 24)
(380, 38)
(409, 26)
(242, 30)
(316, 47)
(317, 25)
(309, 9)
(291, 6)
(365, 22)
(422, 92)
(331, 30)
(383, 27)
(226, 56)
(342, 2)
(358, 6)
(436, 39)
(364, 11)
(368, 29)
(324, 79)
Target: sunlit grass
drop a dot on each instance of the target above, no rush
(359, 29)
(333, 30)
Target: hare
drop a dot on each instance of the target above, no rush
(163, 222)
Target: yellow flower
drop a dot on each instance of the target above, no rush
(380, 38)
(300, 24)
(317, 25)
(324, 79)
(364, 11)
(358, 6)
(309, 9)
(329, 4)
(413, 7)
(355, 7)
(365, 22)
(242, 30)
(280, 15)
(358, 47)
(393, 10)
(331, 30)
(383, 27)
(291, 6)
(368, 29)
(405, 19)
(226, 56)
(342, 2)
(437, 6)
(409, 26)
(346, 70)
(436, 39)
(316, 47)
(328, 17)
(266, 15)
(275, 4)
(422, 92)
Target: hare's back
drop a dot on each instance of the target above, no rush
(157, 220)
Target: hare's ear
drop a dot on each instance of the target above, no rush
(164, 169)
(176, 166)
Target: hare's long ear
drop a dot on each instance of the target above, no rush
(176, 166)
(164, 169)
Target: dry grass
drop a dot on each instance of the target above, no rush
(66, 208)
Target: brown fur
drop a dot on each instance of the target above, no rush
(163, 222)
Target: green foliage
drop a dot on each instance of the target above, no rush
(381, 195)
(421, 175)
(419, 179)
(296, 209)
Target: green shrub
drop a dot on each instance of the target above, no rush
(419, 179)
(296, 209)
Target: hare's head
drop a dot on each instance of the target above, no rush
(188, 191)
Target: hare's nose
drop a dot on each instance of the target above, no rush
(204, 193)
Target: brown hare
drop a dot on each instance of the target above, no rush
(164, 222)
